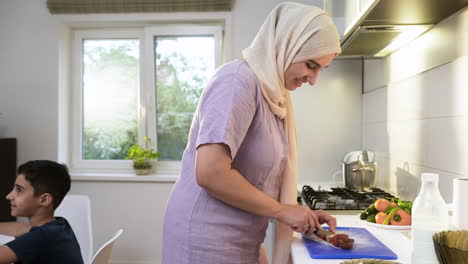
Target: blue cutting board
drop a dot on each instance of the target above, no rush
(366, 245)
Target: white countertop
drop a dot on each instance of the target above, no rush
(397, 240)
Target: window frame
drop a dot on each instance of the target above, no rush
(146, 94)
(150, 82)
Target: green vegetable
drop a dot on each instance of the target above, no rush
(363, 215)
(369, 213)
(390, 214)
(404, 205)
(397, 218)
(371, 209)
(371, 218)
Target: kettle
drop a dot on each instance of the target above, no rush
(359, 173)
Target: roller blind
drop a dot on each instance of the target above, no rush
(136, 6)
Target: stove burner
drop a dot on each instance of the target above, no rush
(341, 198)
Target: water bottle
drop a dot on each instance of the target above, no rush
(429, 216)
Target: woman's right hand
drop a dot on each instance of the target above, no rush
(299, 218)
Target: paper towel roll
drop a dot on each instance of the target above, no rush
(460, 203)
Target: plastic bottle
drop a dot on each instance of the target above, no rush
(429, 216)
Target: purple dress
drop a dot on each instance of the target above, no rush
(198, 228)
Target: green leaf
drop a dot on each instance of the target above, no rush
(390, 214)
(142, 155)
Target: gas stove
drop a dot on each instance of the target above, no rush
(340, 200)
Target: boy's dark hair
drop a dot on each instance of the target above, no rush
(47, 176)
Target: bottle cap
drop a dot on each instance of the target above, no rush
(430, 177)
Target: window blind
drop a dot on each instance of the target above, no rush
(136, 6)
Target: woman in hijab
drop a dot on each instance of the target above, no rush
(239, 167)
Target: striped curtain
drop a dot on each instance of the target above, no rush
(136, 6)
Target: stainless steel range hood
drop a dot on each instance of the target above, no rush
(387, 22)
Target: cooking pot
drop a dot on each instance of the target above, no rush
(359, 174)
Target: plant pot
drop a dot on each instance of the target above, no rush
(142, 171)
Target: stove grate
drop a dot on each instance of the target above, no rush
(341, 198)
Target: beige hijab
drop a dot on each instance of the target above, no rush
(291, 33)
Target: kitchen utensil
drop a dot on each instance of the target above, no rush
(354, 155)
(460, 196)
(359, 174)
(369, 261)
(366, 245)
(451, 246)
(429, 215)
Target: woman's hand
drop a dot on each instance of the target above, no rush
(324, 218)
(302, 219)
(299, 218)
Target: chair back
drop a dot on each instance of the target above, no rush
(77, 210)
(5, 239)
(102, 256)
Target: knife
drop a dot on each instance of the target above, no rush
(336, 240)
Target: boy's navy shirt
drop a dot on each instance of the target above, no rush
(52, 243)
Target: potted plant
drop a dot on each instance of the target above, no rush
(143, 157)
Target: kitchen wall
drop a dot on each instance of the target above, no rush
(33, 106)
(415, 109)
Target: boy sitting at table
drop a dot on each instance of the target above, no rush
(39, 189)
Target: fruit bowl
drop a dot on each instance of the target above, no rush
(451, 246)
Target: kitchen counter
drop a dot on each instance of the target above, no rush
(397, 240)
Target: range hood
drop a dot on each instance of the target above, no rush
(386, 25)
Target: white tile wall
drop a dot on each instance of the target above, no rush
(410, 94)
(376, 100)
(415, 110)
(448, 142)
(407, 141)
(328, 120)
(448, 91)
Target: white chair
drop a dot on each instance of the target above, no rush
(5, 239)
(102, 256)
(77, 210)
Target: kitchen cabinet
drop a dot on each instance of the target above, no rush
(397, 240)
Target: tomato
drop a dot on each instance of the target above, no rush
(380, 217)
(382, 204)
(400, 218)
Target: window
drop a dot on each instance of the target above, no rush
(128, 84)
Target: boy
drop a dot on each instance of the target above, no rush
(39, 189)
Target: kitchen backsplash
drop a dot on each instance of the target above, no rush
(415, 110)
